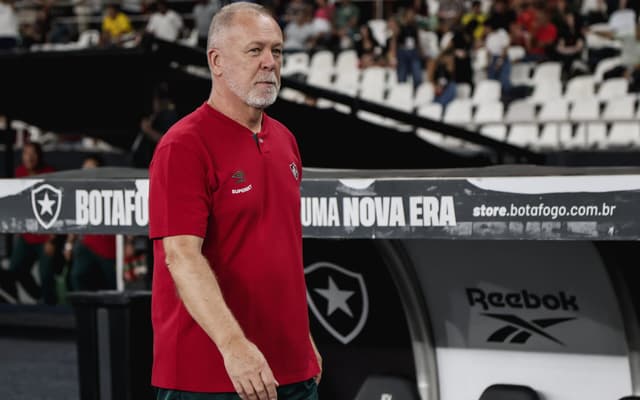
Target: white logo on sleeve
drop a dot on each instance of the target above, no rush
(294, 170)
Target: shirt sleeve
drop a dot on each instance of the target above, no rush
(179, 192)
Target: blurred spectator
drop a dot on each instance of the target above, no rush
(501, 16)
(8, 26)
(322, 18)
(324, 10)
(84, 9)
(525, 23)
(441, 72)
(539, 44)
(370, 51)
(499, 68)
(594, 11)
(474, 20)
(164, 23)
(30, 248)
(462, 44)
(450, 9)
(116, 26)
(152, 127)
(570, 44)
(92, 258)
(299, 33)
(293, 8)
(203, 12)
(615, 5)
(345, 22)
(424, 18)
(38, 31)
(408, 53)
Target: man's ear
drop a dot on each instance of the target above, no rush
(215, 61)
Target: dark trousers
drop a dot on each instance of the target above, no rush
(307, 390)
(22, 259)
(89, 271)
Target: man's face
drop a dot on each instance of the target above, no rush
(29, 157)
(251, 57)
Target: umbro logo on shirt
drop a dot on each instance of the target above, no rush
(238, 176)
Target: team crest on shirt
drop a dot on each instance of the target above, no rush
(294, 170)
(46, 202)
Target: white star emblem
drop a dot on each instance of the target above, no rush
(46, 205)
(337, 298)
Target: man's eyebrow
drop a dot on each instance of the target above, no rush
(262, 44)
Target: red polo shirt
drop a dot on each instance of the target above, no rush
(210, 177)
(102, 245)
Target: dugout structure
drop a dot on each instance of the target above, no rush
(451, 280)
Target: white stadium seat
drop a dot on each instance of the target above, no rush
(612, 88)
(606, 65)
(520, 111)
(523, 134)
(321, 61)
(495, 131)
(624, 135)
(521, 73)
(552, 134)
(546, 90)
(431, 111)
(463, 91)
(487, 90)
(580, 87)
(516, 53)
(295, 63)
(373, 76)
(621, 108)
(585, 110)
(489, 112)
(424, 94)
(347, 60)
(547, 71)
(556, 110)
(458, 112)
(595, 134)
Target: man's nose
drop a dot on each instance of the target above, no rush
(268, 60)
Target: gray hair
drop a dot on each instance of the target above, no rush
(223, 18)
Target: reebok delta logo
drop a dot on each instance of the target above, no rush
(518, 331)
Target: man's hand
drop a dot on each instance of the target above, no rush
(249, 371)
(318, 358)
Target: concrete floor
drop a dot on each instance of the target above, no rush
(40, 366)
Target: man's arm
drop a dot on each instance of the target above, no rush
(199, 291)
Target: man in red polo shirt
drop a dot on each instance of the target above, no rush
(30, 248)
(229, 307)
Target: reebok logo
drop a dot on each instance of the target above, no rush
(518, 331)
(521, 299)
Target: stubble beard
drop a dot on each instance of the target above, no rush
(253, 96)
